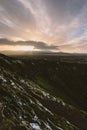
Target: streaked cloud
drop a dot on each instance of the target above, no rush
(60, 24)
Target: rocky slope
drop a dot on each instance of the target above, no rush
(26, 105)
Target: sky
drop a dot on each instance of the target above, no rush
(45, 25)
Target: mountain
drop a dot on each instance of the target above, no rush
(42, 94)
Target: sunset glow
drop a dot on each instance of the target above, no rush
(60, 24)
(24, 48)
(17, 48)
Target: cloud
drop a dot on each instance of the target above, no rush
(15, 18)
(37, 45)
(65, 10)
(16, 12)
(55, 22)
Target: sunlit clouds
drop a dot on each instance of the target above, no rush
(17, 48)
(60, 24)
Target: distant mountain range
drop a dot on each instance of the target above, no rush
(26, 53)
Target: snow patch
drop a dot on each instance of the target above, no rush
(35, 126)
(3, 79)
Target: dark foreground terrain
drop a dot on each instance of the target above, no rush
(43, 93)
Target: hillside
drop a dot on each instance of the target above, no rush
(42, 94)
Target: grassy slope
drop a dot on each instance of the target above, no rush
(65, 80)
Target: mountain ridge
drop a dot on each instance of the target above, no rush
(25, 104)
